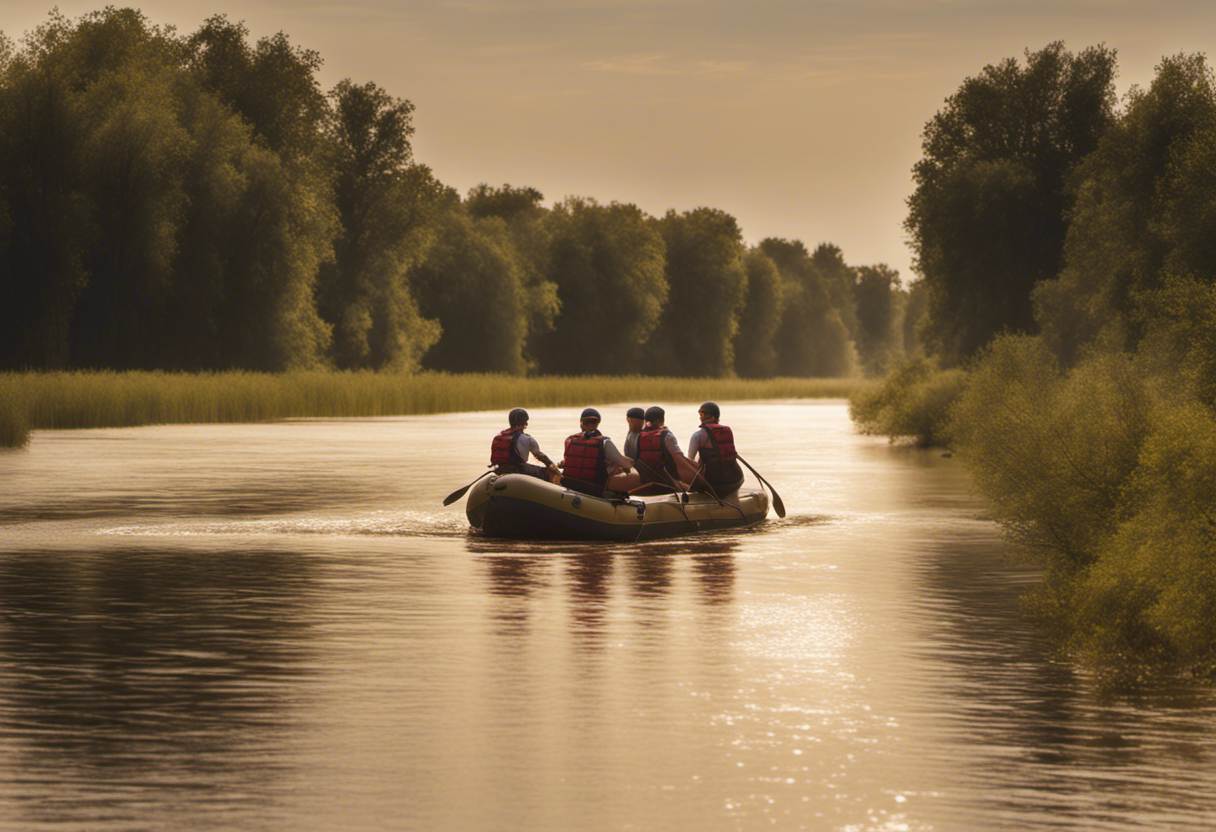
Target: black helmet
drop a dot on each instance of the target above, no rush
(654, 413)
(635, 413)
(710, 409)
(517, 417)
(590, 413)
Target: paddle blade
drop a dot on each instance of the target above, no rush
(459, 492)
(455, 495)
(778, 506)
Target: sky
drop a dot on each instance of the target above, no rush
(800, 118)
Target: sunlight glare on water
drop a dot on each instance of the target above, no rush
(278, 626)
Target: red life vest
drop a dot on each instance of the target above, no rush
(584, 458)
(503, 450)
(652, 452)
(719, 455)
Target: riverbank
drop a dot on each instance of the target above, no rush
(37, 401)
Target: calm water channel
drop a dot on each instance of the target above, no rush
(278, 627)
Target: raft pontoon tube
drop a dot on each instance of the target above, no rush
(521, 506)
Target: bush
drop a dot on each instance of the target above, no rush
(1052, 452)
(1151, 595)
(914, 401)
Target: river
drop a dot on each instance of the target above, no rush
(277, 626)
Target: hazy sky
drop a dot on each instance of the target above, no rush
(802, 119)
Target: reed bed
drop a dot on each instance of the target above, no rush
(32, 401)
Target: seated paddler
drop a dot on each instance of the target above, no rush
(588, 456)
(509, 450)
(713, 447)
(624, 480)
(659, 458)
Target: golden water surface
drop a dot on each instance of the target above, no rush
(277, 626)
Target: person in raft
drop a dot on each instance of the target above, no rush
(510, 448)
(588, 455)
(714, 443)
(625, 480)
(659, 457)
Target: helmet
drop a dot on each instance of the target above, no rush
(517, 417)
(710, 409)
(654, 413)
(590, 413)
(635, 413)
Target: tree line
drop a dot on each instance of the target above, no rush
(199, 202)
(1067, 244)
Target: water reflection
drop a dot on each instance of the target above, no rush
(1048, 738)
(136, 664)
(862, 664)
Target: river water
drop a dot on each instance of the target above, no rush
(277, 626)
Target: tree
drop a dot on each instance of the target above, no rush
(879, 313)
(755, 353)
(989, 213)
(812, 339)
(521, 210)
(384, 204)
(45, 222)
(608, 264)
(916, 306)
(838, 279)
(1140, 210)
(272, 85)
(707, 289)
(472, 283)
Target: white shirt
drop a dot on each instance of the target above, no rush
(525, 445)
(697, 441)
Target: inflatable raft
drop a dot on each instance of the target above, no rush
(520, 506)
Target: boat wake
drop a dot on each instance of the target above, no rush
(380, 524)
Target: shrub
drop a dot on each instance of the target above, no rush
(1052, 452)
(913, 401)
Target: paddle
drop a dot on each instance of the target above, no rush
(459, 492)
(778, 506)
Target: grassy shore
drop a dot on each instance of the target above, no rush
(32, 401)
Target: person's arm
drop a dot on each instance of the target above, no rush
(615, 457)
(694, 444)
(534, 449)
(673, 446)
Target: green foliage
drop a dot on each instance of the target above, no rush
(197, 202)
(385, 205)
(472, 284)
(916, 307)
(1052, 451)
(45, 219)
(838, 279)
(812, 339)
(707, 289)
(879, 304)
(1151, 595)
(988, 216)
(525, 218)
(914, 401)
(607, 262)
(755, 353)
(272, 85)
(1139, 204)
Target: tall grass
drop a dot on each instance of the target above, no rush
(111, 399)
